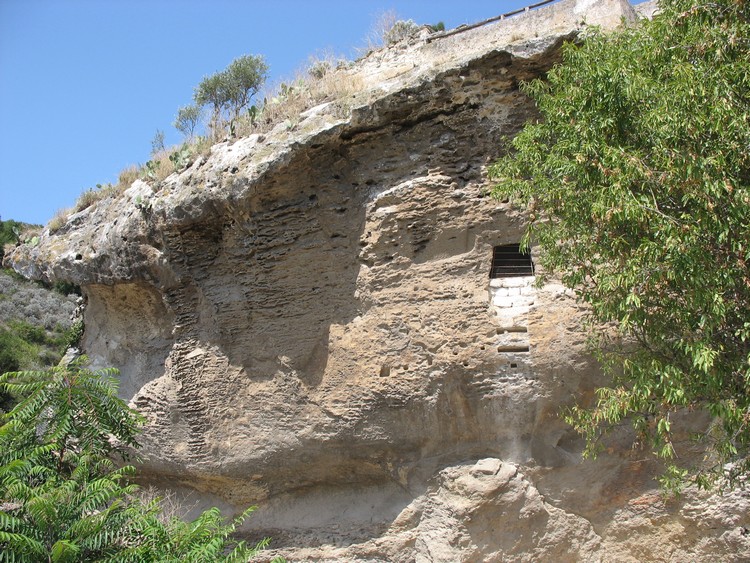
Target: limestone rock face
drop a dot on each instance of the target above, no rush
(307, 320)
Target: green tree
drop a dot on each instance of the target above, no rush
(637, 183)
(232, 89)
(245, 76)
(187, 119)
(63, 496)
(157, 143)
(212, 92)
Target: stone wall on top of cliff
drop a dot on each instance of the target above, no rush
(307, 320)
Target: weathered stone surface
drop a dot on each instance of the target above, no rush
(647, 9)
(307, 321)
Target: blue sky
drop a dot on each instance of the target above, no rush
(85, 84)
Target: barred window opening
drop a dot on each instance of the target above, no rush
(508, 261)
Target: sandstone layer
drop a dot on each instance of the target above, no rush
(307, 320)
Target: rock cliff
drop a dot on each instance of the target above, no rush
(306, 318)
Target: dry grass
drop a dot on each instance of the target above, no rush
(324, 79)
(159, 167)
(30, 232)
(386, 30)
(93, 195)
(381, 27)
(170, 506)
(203, 146)
(127, 176)
(155, 170)
(87, 199)
(59, 219)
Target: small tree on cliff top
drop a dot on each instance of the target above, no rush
(187, 119)
(232, 89)
(637, 178)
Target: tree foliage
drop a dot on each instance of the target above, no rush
(637, 182)
(64, 497)
(232, 89)
(187, 119)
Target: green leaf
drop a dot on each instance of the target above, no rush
(64, 551)
(636, 183)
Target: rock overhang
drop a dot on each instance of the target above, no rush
(393, 89)
(306, 317)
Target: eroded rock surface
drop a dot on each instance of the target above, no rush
(306, 319)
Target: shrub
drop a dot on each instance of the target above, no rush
(28, 302)
(182, 156)
(9, 356)
(59, 219)
(187, 119)
(127, 176)
(165, 163)
(73, 335)
(157, 143)
(65, 499)
(27, 346)
(318, 69)
(34, 326)
(16, 352)
(232, 89)
(637, 178)
(10, 232)
(28, 332)
(387, 30)
(87, 199)
(66, 288)
(400, 30)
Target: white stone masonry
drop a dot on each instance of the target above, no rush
(511, 299)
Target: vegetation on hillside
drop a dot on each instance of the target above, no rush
(232, 89)
(10, 233)
(233, 103)
(637, 182)
(66, 495)
(35, 325)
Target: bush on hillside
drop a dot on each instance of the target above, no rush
(65, 498)
(231, 90)
(637, 182)
(10, 233)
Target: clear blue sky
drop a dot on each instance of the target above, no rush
(85, 84)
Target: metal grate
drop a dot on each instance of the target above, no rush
(509, 262)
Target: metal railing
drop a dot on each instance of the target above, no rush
(462, 28)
